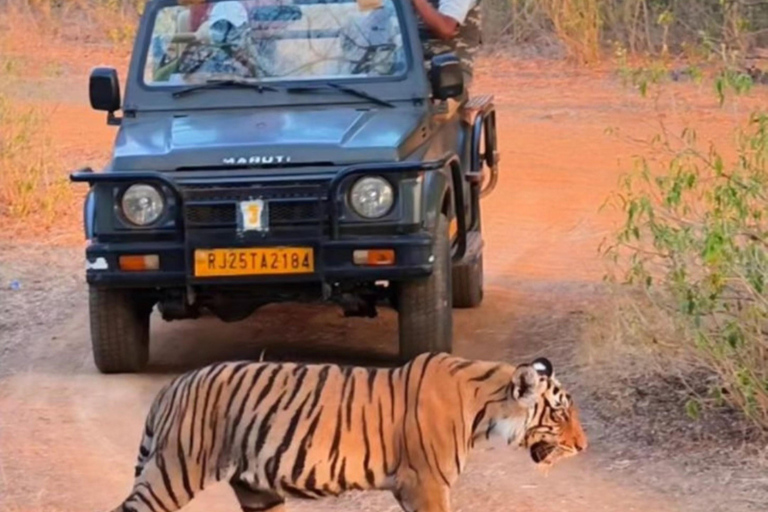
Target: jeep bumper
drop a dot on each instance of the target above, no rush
(333, 262)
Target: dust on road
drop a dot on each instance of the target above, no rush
(69, 436)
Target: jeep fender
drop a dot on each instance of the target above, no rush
(89, 215)
(438, 190)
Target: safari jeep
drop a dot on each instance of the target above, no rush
(302, 151)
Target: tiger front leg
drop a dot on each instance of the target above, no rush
(424, 498)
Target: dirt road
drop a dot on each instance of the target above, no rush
(68, 436)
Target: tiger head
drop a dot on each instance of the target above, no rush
(527, 406)
(553, 430)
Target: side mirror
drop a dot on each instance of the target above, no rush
(104, 90)
(446, 76)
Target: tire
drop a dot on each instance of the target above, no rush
(119, 330)
(425, 316)
(468, 284)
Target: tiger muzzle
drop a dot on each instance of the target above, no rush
(541, 451)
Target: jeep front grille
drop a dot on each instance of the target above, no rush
(280, 213)
(211, 215)
(289, 204)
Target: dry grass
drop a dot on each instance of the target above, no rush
(83, 21)
(627, 337)
(584, 29)
(577, 25)
(41, 41)
(651, 388)
(30, 185)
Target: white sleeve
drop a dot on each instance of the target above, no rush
(456, 9)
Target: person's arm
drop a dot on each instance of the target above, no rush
(442, 26)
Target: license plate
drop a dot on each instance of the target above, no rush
(254, 261)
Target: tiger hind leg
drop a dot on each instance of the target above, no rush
(158, 489)
(253, 500)
(145, 498)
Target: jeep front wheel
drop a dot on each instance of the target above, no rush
(425, 316)
(119, 330)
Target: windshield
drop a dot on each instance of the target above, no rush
(274, 40)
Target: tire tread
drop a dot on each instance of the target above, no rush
(119, 331)
(425, 318)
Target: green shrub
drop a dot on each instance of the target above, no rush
(694, 240)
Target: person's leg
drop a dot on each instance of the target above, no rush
(467, 83)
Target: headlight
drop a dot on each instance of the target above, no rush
(142, 204)
(371, 197)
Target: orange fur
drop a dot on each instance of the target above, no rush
(291, 430)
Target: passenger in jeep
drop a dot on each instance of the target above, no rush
(266, 40)
(227, 26)
(225, 38)
(215, 40)
(451, 26)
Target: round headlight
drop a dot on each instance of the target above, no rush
(142, 204)
(371, 197)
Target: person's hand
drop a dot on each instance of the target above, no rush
(203, 33)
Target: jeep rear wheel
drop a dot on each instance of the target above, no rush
(425, 316)
(119, 330)
(468, 283)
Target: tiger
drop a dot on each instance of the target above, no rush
(289, 430)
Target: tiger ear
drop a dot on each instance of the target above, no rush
(543, 367)
(525, 384)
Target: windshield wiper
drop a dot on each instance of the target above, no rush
(219, 84)
(343, 88)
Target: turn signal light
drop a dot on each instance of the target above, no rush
(139, 262)
(374, 257)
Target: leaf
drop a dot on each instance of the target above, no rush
(693, 409)
(643, 88)
(720, 89)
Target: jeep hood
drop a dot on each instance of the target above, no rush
(299, 137)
